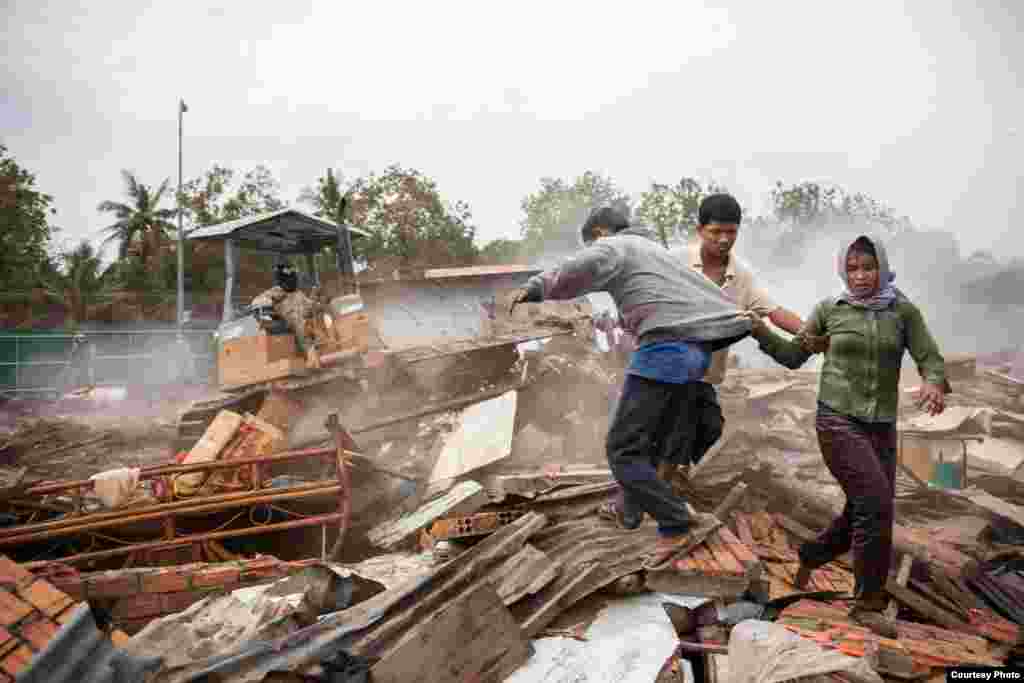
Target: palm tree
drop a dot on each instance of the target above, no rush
(79, 282)
(141, 219)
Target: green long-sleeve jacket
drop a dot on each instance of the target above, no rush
(861, 372)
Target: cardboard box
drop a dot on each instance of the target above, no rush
(259, 358)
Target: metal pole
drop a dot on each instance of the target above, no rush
(181, 238)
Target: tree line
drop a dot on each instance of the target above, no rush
(410, 224)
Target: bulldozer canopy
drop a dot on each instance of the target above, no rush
(288, 231)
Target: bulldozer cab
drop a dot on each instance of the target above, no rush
(249, 352)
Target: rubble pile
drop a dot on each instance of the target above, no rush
(66, 448)
(438, 537)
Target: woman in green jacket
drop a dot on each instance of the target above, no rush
(863, 333)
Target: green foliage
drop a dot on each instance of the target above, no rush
(215, 197)
(673, 209)
(78, 281)
(809, 209)
(407, 220)
(25, 232)
(501, 251)
(327, 197)
(555, 213)
(141, 221)
(816, 205)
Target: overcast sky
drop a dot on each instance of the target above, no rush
(918, 103)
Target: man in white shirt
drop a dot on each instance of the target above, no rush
(718, 224)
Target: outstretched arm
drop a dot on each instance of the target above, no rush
(790, 352)
(588, 271)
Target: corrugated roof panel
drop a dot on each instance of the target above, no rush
(288, 220)
(478, 271)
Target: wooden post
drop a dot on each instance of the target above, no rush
(902, 576)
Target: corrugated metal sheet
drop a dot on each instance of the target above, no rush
(81, 653)
(286, 231)
(478, 271)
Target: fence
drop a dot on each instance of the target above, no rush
(41, 363)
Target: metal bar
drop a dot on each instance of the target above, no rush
(229, 280)
(187, 540)
(154, 472)
(343, 440)
(37, 362)
(172, 505)
(111, 333)
(75, 526)
(181, 232)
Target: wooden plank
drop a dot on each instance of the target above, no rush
(925, 608)
(743, 529)
(483, 436)
(792, 526)
(762, 524)
(704, 556)
(524, 574)
(468, 496)
(725, 559)
(940, 600)
(732, 500)
(993, 505)
(686, 565)
(474, 638)
(217, 436)
(740, 550)
(902, 575)
(531, 484)
(536, 622)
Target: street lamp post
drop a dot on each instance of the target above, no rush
(181, 235)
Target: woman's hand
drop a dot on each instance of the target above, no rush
(932, 398)
(758, 327)
(812, 343)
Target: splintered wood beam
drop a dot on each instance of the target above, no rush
(925, 608)
(902, 576)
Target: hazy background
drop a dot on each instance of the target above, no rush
(917, 103)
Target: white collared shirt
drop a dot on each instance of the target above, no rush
(739, 286)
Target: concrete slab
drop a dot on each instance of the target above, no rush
(627, 643)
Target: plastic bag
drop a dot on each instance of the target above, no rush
(763, 652)
(116, 487)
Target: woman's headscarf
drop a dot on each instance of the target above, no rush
(886, 293)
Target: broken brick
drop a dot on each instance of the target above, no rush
(45, 597)
(137, 606)
(11, 573)
(39, 632)
(17, 660)
(7, 642)
(168, 580)
(216, 577)
(261, 568)
(113, 584)
(12, 610)
(72, 586)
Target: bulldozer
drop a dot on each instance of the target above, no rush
(256, 350)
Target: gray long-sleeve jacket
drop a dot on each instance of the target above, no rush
(658, 296)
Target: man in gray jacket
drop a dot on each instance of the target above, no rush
(679, 318)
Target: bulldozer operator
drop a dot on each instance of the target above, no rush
(288, 303)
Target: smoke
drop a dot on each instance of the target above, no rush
(929, 271)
